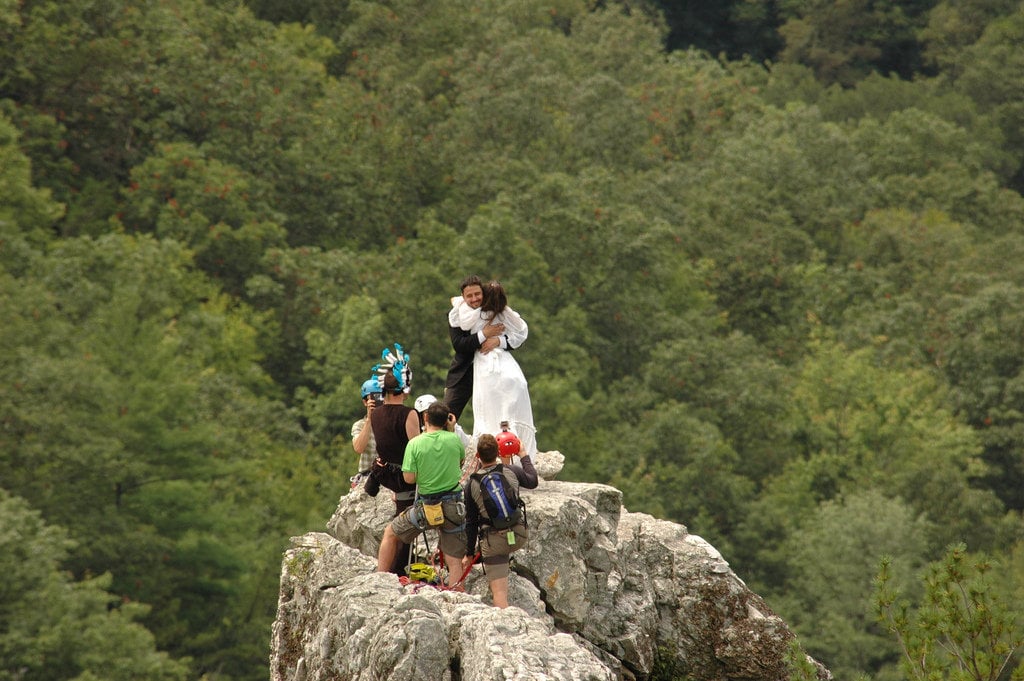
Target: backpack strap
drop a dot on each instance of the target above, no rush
(478, 476)
(485, 522)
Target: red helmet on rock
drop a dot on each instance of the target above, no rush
(508, 443)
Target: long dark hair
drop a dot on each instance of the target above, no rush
(495, 300)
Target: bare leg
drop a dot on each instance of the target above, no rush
(499, 592)
(454, 569)
(388, 546)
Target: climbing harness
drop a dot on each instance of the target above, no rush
(434, 573)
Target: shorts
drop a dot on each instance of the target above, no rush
(452, 534)
(495, 549)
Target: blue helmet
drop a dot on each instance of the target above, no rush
(370, 386)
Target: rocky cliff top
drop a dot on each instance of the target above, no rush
(599, 593)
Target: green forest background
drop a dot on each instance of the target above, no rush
(771, 253)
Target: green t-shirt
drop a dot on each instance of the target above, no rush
(436, 459)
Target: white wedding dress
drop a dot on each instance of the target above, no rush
(500, 392)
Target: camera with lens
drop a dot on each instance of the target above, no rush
(378, 399)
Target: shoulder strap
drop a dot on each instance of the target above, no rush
(480, 476)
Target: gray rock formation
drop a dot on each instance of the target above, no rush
(599, 593)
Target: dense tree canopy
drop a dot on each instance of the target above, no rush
(770, 254)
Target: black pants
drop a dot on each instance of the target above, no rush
(459, 395)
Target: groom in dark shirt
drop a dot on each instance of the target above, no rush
(458, 387)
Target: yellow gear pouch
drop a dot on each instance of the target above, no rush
(434, 513)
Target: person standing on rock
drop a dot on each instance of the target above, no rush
(362, 433)
(495, 544)
(432, 462)
(501, 394)
(458, 386)
(394, 424)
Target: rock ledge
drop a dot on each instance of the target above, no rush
(600, 593)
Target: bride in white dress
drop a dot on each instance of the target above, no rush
(500, 392)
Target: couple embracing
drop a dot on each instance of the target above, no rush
(483, 331)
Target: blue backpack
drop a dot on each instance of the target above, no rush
(501, 501)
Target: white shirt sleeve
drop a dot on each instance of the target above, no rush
(516, 329)
(453, 314)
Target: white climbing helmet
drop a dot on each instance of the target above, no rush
(424, 401)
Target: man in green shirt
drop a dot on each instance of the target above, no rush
(433, 462)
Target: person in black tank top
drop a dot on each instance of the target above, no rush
(394, 424)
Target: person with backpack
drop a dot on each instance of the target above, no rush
(495, 516)
(432, 462)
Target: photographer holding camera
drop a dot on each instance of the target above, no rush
(362, 435)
